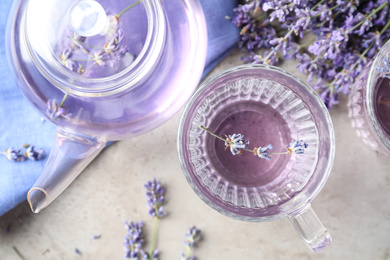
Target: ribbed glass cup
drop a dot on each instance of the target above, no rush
(266, 105)
(369, 103)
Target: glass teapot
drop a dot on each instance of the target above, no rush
(102, 71)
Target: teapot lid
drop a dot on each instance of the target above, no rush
(89, 45)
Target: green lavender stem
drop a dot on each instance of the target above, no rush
(188, 252)
(370, 15)
(18, 252)
(153, 238)
(63, 99)
(217, 136)
(127, 8)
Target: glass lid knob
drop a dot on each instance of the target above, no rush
(87, 18)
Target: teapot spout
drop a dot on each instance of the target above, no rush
(69, 156)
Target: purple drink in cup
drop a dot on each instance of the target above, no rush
(268, 106)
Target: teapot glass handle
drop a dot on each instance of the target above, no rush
(310, 229)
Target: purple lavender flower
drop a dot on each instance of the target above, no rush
(242, 14)
(262, 152)
(77, 43)
(113, 44)
(292, 50)
(343, 82)
(279, 12)
(297, 147)
(54, 111)
(326, 93)
(348, 6)
(323, 11)
(98, 58)
(280, 44)
(65, 56)
(236, 142)
(13, 155)
(348, 35)
(192, 236)
(155, 198)
(34, 155)
(303, 21)
(308, 66)
(385, 72)
(133, 239)
(146, 255)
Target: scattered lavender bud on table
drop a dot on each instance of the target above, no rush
(192, 236)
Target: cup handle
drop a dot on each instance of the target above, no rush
(310, 229)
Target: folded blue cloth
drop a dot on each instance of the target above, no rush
(21, 124)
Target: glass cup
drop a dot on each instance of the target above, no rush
(268, 106)
(369, 102)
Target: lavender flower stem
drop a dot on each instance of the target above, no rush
(64, 98)
(127, 8)
(385, 27)
(84, 44)
(273, 50)
(217, 136)
(18, 252)
(369, 16)
(188, 252)
(314, 7)
(153, 238)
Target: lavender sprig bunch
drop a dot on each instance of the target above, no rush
(19, 156)
(192, 236)
(347, 36)
(237, 144)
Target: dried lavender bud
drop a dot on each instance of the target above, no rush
(155, 198)
(146, 256)
(192, 236)
(297, 147)
(34, 155)
(235, 142)
(263, 152)
(133, 239)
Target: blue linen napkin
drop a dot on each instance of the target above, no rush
(21, 124)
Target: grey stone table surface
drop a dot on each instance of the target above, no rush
(354, 205)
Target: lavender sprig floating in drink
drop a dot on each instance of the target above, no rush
(236, 144)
